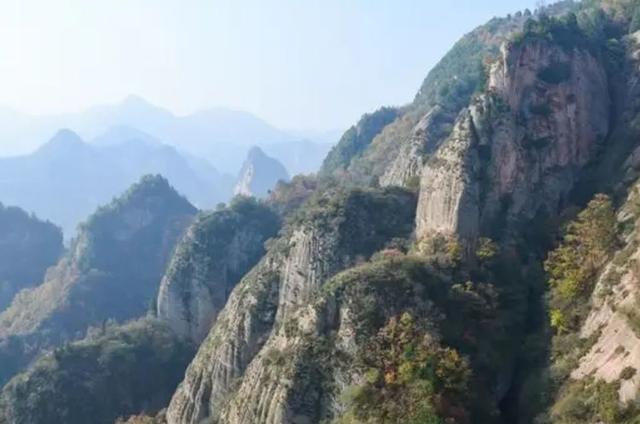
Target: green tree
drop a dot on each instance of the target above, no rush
(573, 266)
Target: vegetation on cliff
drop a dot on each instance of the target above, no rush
(110, 272)
(117, 371)
(28, 247)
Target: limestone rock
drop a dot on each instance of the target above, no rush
(216, 251)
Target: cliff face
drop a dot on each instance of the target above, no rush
(610, 329)
(216, 252)
(111, 271)
(333, 233)
(611, 323)
(519, 148)
(314, 365)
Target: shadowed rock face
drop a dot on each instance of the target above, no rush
(521, 145)
(259, 174)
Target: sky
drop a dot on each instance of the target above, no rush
(298, 64)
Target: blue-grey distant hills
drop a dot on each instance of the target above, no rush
(222, 136)
(66, 178)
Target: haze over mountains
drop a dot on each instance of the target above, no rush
(222, 136)
(66, 179)
(471, 257)
(71, 164)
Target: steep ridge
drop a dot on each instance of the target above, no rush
(521, 151)
(28, 247)
(395, 153)
(332, 232)
(111, 271)
(356, 140)
(218, 249)
(259, 174)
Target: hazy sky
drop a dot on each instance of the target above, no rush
(314, 64)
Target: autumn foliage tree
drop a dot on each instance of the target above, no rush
(573, 266)
(410, 378)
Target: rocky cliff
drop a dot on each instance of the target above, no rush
(259, 174)
(332, 232)
(519, 148)
(324, 362)
(215, 253)
(524, 148)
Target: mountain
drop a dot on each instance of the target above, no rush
(217, 250)
(221, 136)
(87, 175)
(504, 304)
(111, 272)
(470, 257)
(121, 134)
(333, 232)
(28, 246)
(259, 174)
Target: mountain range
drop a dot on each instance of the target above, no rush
(469, 257)
(221, 136)
(66, 178)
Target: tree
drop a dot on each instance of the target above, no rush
(410, 378)
(573, 266)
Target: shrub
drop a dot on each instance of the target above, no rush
(555, 73)
(627, 373)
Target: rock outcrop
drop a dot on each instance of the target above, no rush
(335, 231)
(425, 138)
(259, 174)
(520, 147)
(311, 363)
(218, 249)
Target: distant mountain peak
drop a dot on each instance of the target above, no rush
(152, 183)
(136, 100)
(65, 135)
(259, 174)
(152, 194)
(256, 153)
(63, 140)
